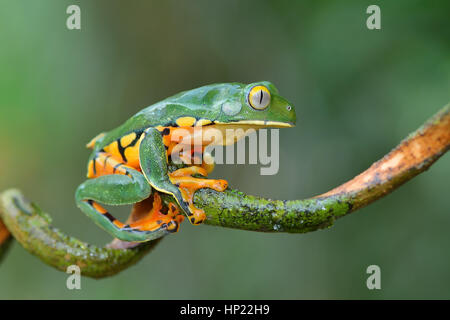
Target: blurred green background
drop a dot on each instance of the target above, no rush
(357, 93)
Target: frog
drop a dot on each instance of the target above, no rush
(129, 165)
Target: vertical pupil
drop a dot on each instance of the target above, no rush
(261, 96)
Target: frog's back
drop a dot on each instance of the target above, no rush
(203, 102)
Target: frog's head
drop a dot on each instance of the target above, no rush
(257, 105)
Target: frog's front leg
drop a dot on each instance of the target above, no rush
(180, 183)
(183, 178)
(114, 183)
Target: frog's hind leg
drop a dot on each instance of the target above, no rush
(149, 214)
(114, 183)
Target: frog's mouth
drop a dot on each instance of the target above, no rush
(221, 133)
(258, 124)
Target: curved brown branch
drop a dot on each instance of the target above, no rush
(412, 156)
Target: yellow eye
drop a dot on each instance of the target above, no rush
(259, 97)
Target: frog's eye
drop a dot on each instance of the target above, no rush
(259, 97)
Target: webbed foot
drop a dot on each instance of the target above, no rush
(187, 185)
(156, 218)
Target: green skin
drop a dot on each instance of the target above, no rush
(211, 102)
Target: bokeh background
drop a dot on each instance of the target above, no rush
(357, 93)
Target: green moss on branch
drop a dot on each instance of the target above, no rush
(412, 156)
(32, 229)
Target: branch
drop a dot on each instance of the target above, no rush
(412, 156)
(31, 228)
(233, 209)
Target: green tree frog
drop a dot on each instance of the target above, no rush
(129, 165)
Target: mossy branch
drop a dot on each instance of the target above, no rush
(32, 229)
(412, 156)
(233, 209)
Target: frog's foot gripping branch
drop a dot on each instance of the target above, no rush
(31, 227)
(184, 180)
(151, 217)
(149, 214)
